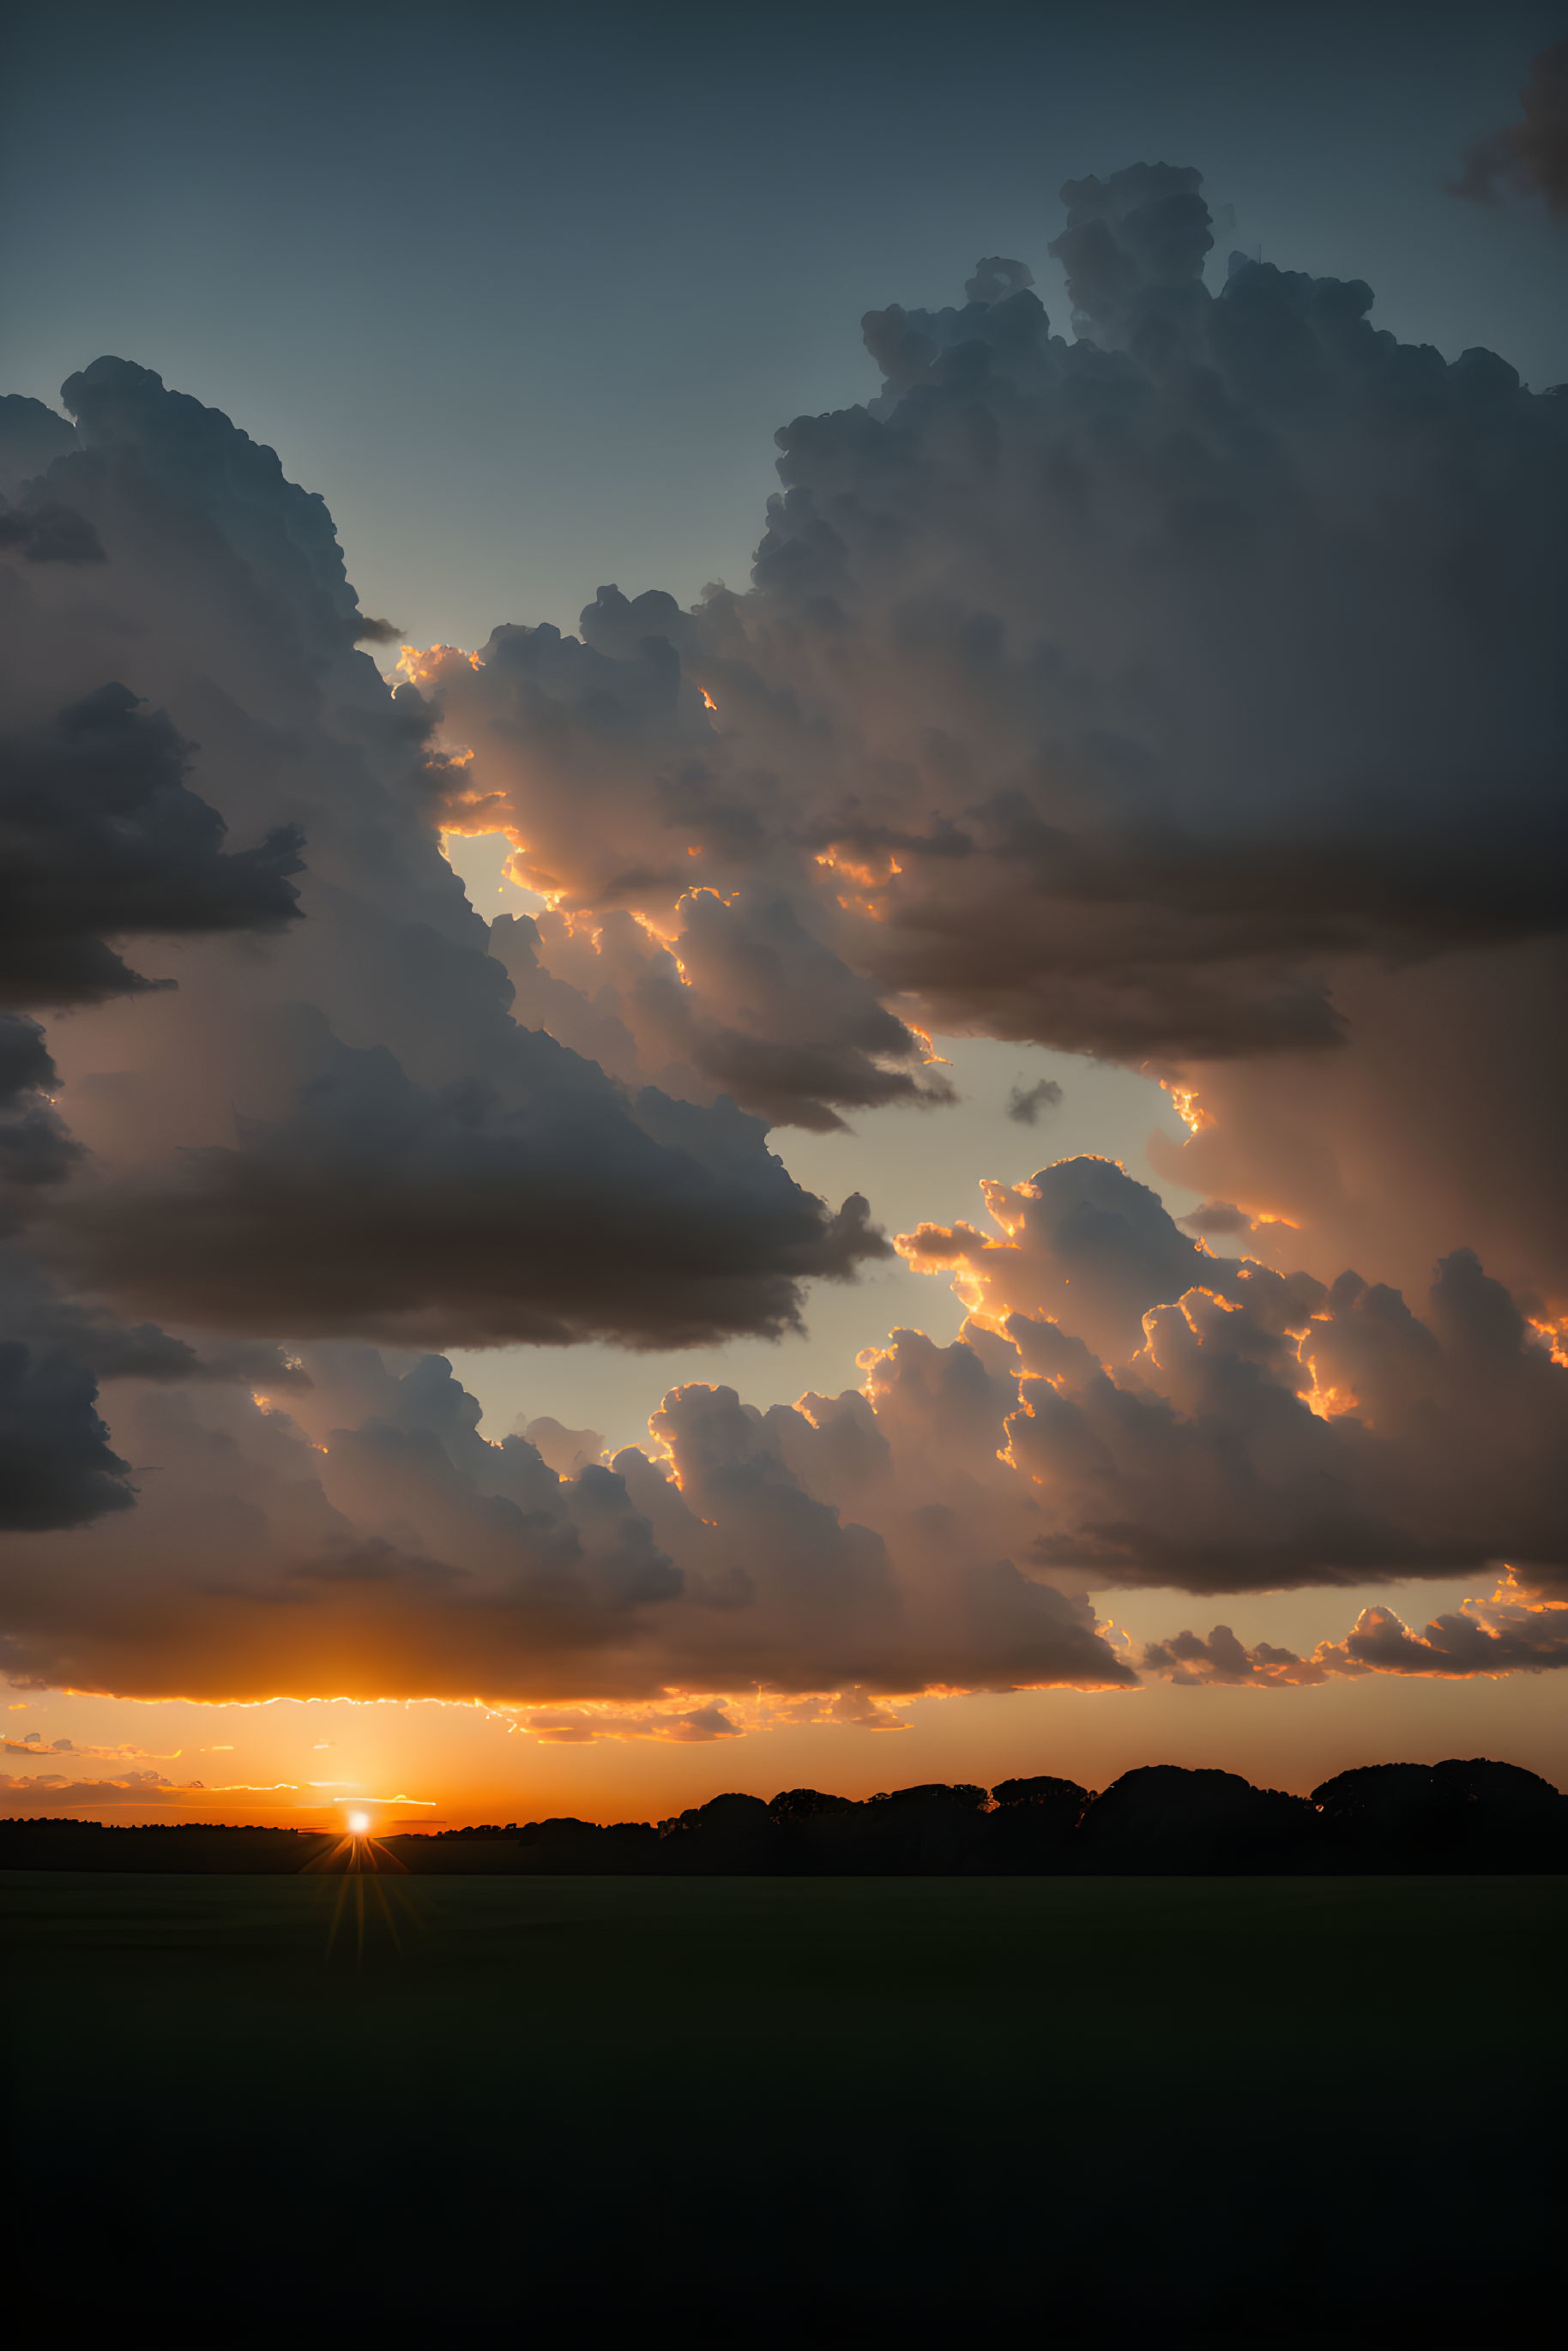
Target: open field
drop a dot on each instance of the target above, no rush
(1111, 2111)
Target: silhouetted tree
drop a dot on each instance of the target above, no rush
(1032, 1825)
(729, 1836)
(1164, 1817)
(1455, 1816)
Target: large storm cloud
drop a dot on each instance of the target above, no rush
(1188, 693)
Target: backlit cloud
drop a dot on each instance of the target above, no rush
(1188, 694)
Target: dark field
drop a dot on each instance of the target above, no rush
(1116, 2111)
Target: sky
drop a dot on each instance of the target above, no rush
(1009, 1114)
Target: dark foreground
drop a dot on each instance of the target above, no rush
(1071, 2111)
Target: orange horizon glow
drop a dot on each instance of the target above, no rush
(426, 1764)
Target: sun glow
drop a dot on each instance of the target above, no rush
(359, 1823)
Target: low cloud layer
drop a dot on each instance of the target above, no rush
(1223, 1428)
(1514, 1632)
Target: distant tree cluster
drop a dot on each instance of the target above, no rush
(198, 1848)
(1384, 1817)
(1160, 1820)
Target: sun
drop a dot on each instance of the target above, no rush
(359, 1823)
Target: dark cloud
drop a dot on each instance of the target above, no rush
(1025, 1103)
(104, 837)
(49, 533)
(995, 279)
(1527, 158)
(56, 1467)
(35, 1145)
(25, 1066)
(382, 1208)
(31, 437)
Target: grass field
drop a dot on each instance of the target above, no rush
(1121, 2111)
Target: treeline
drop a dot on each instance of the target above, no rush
(191, 1848)
(1163, 1818)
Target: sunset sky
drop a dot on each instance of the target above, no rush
(922, 1142)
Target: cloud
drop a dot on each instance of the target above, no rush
(1190, 1661)
(942, 1526)
(1527, 158)
(319, 1116)
(380, 1208)
(103, 838)
(680, 1727)
(1025, 1103)
(742, 1000)
(1269, 1430)
(49, 533)
(1081, 1224)
(57, 1466)
(36, 1147)
(371, 1542)
(1001, 717)
(49, 1792)
(1216, 1217)
(1514, 1632)
(1186, 694)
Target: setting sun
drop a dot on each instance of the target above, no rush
(359, 1823)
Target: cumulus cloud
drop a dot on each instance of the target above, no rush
(1080, 1225)
(370, 1540)
(944, 1526)
(1186, 694)
(319, 1114)
(1516, 1631)
(1269, 1430)
(1530, 157)
(1105, 693)
(741, 1001)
